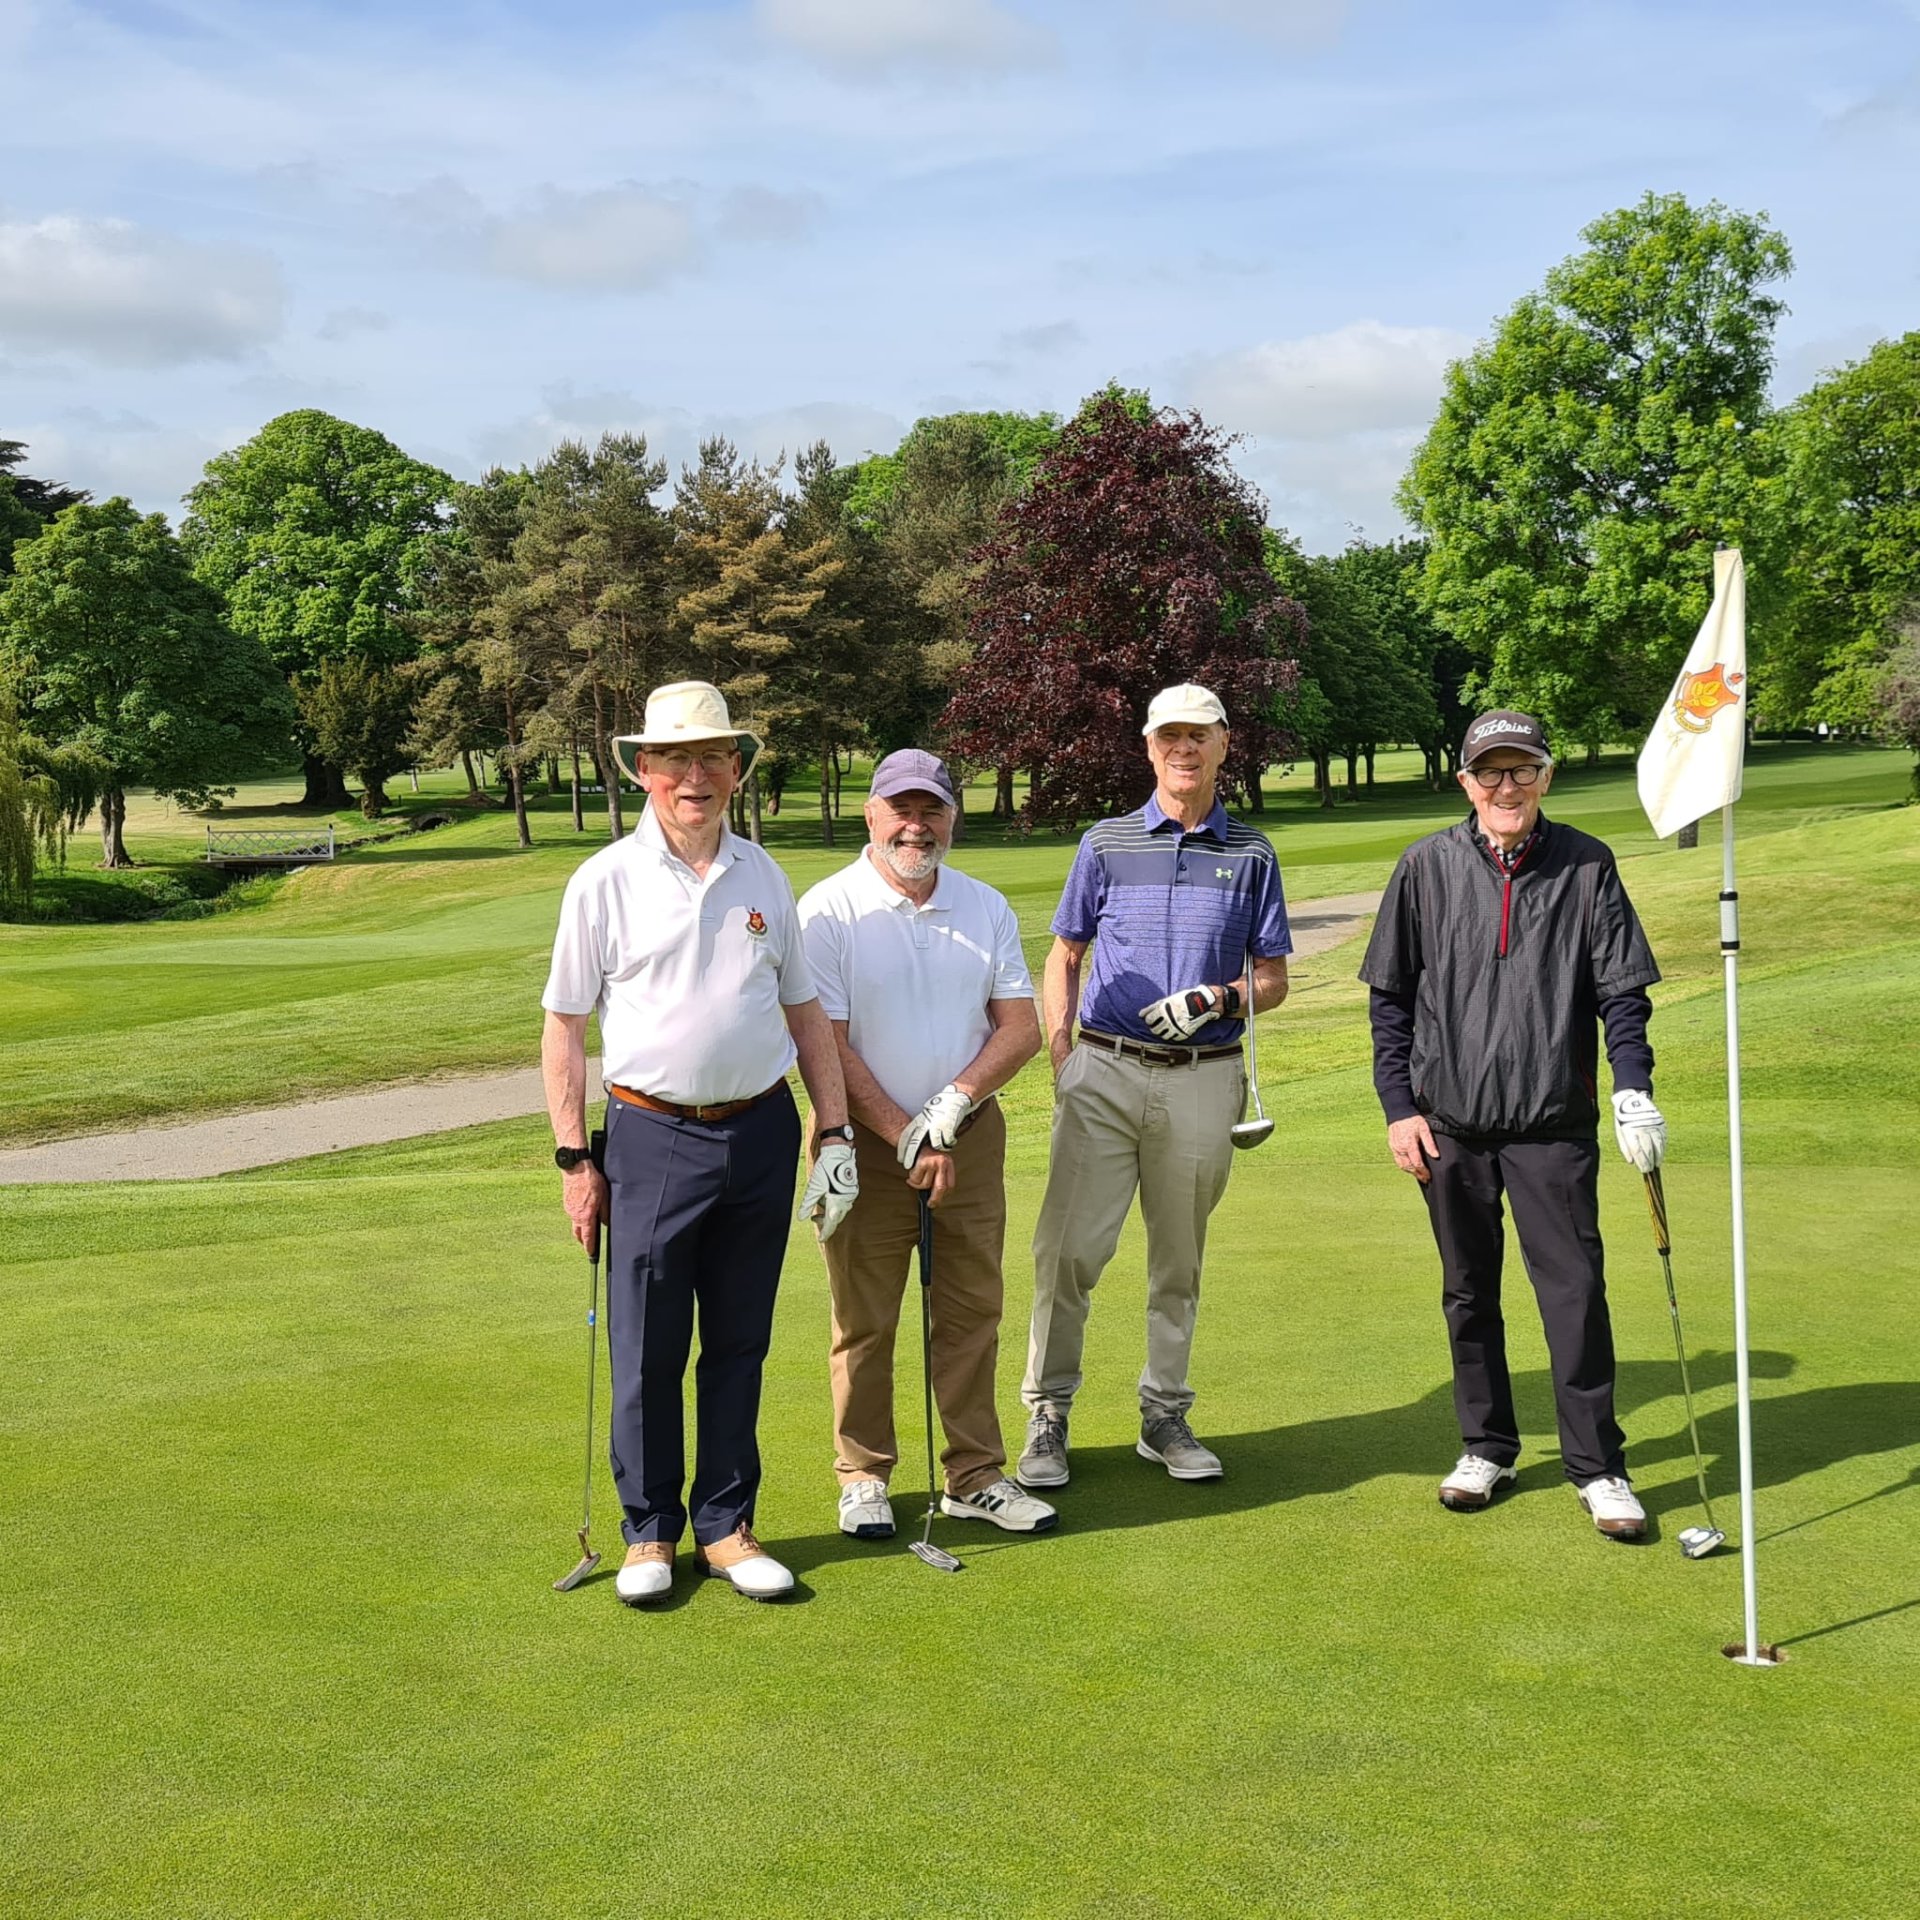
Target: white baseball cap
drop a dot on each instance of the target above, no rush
(1187, 706)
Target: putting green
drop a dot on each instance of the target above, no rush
(288, 1461)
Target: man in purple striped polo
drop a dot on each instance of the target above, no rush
(1185, 914)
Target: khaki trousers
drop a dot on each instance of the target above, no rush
(1121, 1125)
(868, 1265)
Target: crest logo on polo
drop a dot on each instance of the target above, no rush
(756, 923)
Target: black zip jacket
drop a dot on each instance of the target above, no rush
(1508, 971)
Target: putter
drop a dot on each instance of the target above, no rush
(923, 1548)
(588, 1558)
(1695, 1542)
(1249, 1133)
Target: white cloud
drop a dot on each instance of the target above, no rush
(1290, 23)
(109, 291)
(763, 214)
(1362, 377)
(865, 38)
(152, 466)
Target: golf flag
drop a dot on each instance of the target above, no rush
(1691, 763)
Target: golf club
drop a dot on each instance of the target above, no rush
(923, 1548)
(1695, 1542)
(1249, 1133)
(588, 1558)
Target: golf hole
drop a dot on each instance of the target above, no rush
(1763, 1655)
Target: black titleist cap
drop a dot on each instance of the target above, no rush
(1503, 729)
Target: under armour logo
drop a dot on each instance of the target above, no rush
(1223, 873)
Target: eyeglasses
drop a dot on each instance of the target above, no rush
(1490, 777)
(677, 763)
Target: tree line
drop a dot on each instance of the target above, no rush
(1010, 587)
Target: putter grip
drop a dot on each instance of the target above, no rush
(597, 1150)
(1657, 1207)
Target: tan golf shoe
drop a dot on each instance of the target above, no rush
(746, 1565)
(647, 1574)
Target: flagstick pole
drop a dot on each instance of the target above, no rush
(1752, 1653)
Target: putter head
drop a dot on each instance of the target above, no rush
(588, 1561)
(1697, 1542)
(936, 1557)
(1250, 1133)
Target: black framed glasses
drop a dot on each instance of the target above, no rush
(1490, 777)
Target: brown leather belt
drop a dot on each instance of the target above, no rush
(673, 1108)
(1156, 1056)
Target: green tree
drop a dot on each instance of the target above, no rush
(360, 717)
(1896, 695)
(1585, 462)
(117, 650)
(1852, 538)
(26, 504)
(317, 533)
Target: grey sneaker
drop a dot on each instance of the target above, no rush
(1166, 1437)
(1044, 1464)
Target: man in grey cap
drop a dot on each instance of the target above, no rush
(1503, 944)
(920, 971)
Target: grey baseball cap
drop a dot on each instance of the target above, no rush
(912, 770)
(1502, 728)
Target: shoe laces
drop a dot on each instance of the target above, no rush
(1611, 1486)
(1049, 1434)
(1174, 1431)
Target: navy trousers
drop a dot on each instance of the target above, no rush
(700, 1217)
(1553, 1187)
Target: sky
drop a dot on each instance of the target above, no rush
(482, 231)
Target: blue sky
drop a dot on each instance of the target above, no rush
(481, 231)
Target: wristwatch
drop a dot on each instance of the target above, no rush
(567, 1158)
(841, 1132)
(1231, 1001)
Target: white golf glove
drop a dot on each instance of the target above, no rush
(1181, 1015)
(831, 1190)
(1639, 1128)
(936, 1125)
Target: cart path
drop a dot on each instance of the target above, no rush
(265, 1136)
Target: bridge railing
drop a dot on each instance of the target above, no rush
(264, 846)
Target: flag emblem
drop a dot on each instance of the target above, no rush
(1700, 696)
(756, 923)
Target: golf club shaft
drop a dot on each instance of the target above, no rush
(597, 1149)
(1663, 1245)
(926, 1348)
(1253, 1043)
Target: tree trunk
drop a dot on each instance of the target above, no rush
(609, 768)
(473, 782)
(1323, 774)
(1256, 800)
(828, 758)
(413, 774)
(373, 798)
(553, 773)
(1593, 755)
(579, 819)
(1003, 793)
(314, 771)
(1369, 754)
(1353, 774)
(753, 808)
(517, 786)
(113, 828)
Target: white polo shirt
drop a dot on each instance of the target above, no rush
(912, 982)
(689, 975)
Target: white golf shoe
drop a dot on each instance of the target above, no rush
(1473, 1483)
(745, 1564)
(1614, 1510)
(647, 1574)
(865, 1511)
(1006, 1503)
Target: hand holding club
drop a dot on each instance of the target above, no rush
(936, 1125)
(1640, 1129)
(831, 1189)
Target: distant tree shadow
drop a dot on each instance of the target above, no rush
(1795, 1434)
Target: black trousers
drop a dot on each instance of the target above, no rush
(700, 1217)
(1553, 1187)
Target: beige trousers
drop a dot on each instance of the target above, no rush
(868, 1265)
(1120, 1125)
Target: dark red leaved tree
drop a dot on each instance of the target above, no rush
(1133, 563)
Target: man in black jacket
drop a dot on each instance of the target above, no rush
(1502, 945)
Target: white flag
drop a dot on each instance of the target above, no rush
(1691, 764)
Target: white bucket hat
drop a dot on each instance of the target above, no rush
(682, 715)
(1185, 706)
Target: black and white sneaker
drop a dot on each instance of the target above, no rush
(1006, 1503)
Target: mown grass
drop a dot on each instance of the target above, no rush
(288, 1460)
(426, 955)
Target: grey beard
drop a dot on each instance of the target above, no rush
(927, 861)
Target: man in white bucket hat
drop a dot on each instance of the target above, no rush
(684, 939)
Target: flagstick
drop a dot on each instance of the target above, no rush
(1752, 1653)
